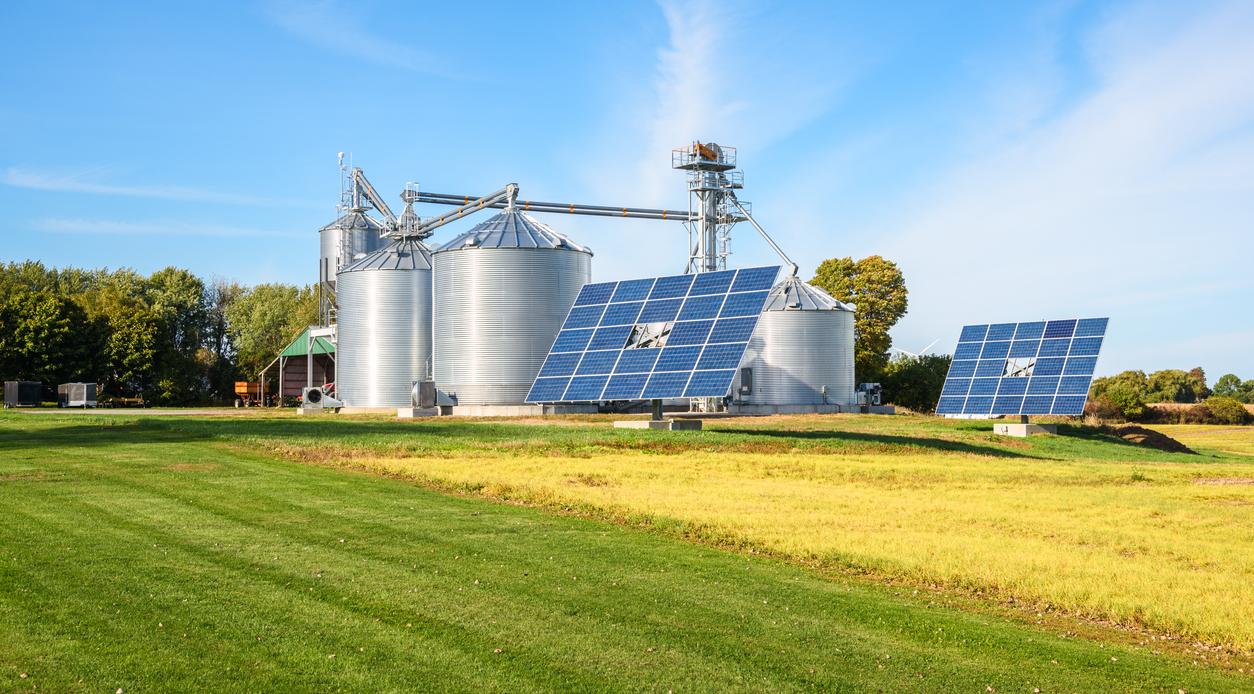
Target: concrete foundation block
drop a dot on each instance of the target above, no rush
(1024, 430)
(414, 412)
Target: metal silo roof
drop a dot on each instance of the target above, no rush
(512, 229)
(794, 295)
(356, 221)
(402, 254)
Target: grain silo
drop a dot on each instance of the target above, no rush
(384, 331)
(344, 241)
(502, 290)
(801, 356)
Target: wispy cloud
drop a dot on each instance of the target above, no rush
(336, 28)
(1141, 186)
(102, 227)
(84, 182)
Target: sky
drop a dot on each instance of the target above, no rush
(1019, 161)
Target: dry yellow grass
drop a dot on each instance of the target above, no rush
(1144, 543)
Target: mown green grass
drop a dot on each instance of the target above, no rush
(156, 555)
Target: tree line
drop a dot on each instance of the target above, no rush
(169, 337)
(1130, 395)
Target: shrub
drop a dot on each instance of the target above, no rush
(1222, 410)
(1103, 409)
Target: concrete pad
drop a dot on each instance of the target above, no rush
(413, 412)
(1021, 430)
(663, 425)
(515, 410)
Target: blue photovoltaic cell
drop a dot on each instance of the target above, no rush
(584, 317)
(701, 325)
(1008, 405)
(733, 329)
(991, 368)
(547, 389)
(1030, 331)
(622, 314)
(671, 287)
(610, 338)
(1000, 331)
(1013, 386)
(571, 341)
(1048, 367)
(666, 385)
(995, 350)
(712, 283)
(660, 311)
(1054, 348)
(1023, 349)
(1074, 385)
(1086, 346)
(1059, 328)
(726, 356)
(678, 359)
(597, 362)
(1069, 404)
(962, 369)
(637, 361)
(709, 384)
(747, 304)
(586, 388)
(633, 290)
(701, 307)
(625, 387)
(968, 350)
(949, 405)
(755, 279)
(692, 333)
(1037, 404)
(560, 364)
(1033, 368)
(1091, 327)
(595, 293)
(1043, 385)
(973, 333)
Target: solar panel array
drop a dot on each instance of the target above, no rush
(680, 336)
(1040, 368)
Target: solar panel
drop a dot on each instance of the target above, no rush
(1036, 368)
(680, 336)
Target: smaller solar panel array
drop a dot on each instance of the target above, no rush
(1040, 368)
(680, 336)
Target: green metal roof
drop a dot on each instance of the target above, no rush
(300, 346)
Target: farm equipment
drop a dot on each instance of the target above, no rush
(247, 393)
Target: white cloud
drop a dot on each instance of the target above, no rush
(82, 183)
(101, 227)
(334, 28)
(1136, 200)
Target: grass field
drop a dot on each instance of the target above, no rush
(201, 554)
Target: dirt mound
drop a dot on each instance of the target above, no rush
(1148, 437)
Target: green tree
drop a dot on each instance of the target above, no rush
(177, 299)
(1231, 386)
(1170, 385)
(916, 382)
(1224, 410)
(263, 319)
(219, 351)
(46, 338)
(878, 290)
(1126, 392)
(1197, 381)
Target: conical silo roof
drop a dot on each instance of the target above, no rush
(401, 254)
(355, 221)
(794, 295)
(512, 229)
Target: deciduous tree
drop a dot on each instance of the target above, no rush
(878, 289)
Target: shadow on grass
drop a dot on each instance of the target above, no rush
(85, 435)
(886, 439)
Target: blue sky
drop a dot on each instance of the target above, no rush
(1018, 160)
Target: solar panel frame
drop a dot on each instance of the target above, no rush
(660, 337)
(1028, 368)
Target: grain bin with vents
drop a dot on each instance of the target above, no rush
(344, 241)
(502, 290)
(384, 332)
(801, 356)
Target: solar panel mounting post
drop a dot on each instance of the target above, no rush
(657, 409)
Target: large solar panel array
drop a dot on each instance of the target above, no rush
(1038, 368)
(680, 336)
